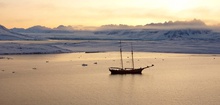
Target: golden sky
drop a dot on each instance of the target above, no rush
(51, 13)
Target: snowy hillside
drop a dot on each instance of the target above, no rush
(131, 34)
(6, 34)
(172, 40)
(177, 30)
(159, 34)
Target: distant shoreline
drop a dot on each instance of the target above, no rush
(97, 46)
(96, 52)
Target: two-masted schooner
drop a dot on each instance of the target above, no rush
(122, 70)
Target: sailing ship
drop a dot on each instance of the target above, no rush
(122, 70)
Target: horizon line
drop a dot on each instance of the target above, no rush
(121, 24)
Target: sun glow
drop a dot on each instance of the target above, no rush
(178, 5)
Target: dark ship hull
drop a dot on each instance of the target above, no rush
(115, 70)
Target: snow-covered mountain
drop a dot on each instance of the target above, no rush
(6, 34)
(18, 30)
(43, 29)
(177, 30)
(192, 34)
(177, 40)
(38, 29)
(162, 34)
(64, 28)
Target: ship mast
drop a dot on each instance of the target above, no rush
(121, 56)
(132, 55)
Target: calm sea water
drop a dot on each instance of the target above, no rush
(60, 79)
